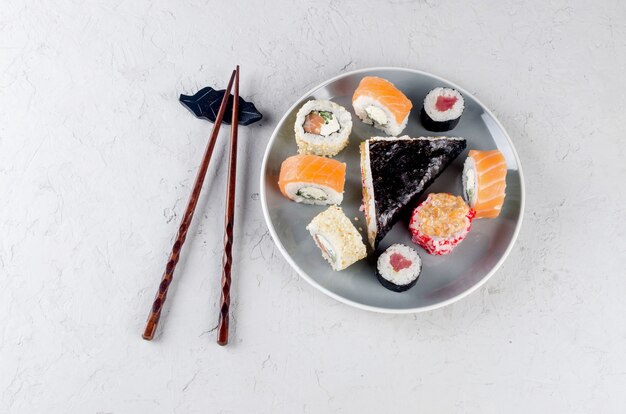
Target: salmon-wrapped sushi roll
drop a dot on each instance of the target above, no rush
(378, 102)
(484, 182)
(311, 179)
(441, 222)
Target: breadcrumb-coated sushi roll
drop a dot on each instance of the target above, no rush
(378, 102)
(322, 128)
(441, 222)
(335, 235)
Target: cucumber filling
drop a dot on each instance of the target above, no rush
(312, 193)
(326, 247)
(328, 116)
(470, 186)
(377, 115)
(322, 123)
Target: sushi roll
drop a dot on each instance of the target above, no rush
(398, 268)
(395, 172)
(484, 182)
(335, 235)
(378, 102)
(322, 128)
(441, 222)
(442, 109)
(311, 179)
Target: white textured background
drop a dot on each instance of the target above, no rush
(97, 158)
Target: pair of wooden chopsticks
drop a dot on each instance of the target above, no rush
(166, 280)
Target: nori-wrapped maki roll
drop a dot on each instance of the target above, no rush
(442, 109)
(395, 172)
(398, 268)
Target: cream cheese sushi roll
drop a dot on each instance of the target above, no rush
(335, 235)
(311, 179)
(378, 102)
(442, 109)
(398, 268)
(322, 128)
(484, 182)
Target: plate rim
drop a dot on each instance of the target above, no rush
(352, 303)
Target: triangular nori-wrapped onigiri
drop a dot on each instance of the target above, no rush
(396, 172)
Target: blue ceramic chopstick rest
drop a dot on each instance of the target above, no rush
(206, 103)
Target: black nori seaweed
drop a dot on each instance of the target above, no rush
(437, 126)
(402, 170)
(206, 103)
(392, 286)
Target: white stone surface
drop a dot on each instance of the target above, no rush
(96, 162)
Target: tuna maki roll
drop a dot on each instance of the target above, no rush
(398, 268)
(442, 109)
(395, 172)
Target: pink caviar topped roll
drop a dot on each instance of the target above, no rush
(441, 222)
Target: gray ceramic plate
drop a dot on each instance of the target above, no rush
(444, 279)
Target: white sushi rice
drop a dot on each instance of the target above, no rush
(313, 193)
(470, 183)
(368, 185)
(372, 112)
(328, 145)
(403, 276)
(440, 116)
(335, 235)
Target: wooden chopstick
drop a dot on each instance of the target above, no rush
(229, 221)
(161, 295)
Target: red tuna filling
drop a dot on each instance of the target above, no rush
(399, 262)
(444, 103)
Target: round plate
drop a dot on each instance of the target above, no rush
(444, 279)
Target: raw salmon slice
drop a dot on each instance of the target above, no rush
(490, 175)
(306, 170)
(387, 94)
(313, 123)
